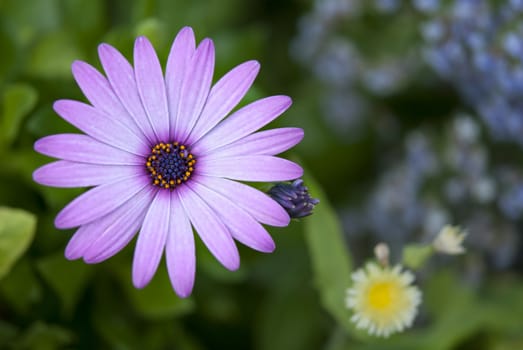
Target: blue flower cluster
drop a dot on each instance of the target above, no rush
(328, 45)
(445, 177)
(447, 174)
(477, 45)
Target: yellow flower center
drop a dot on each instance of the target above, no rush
(382, 295)
(169, 165)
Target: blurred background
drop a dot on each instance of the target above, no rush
(413, 118)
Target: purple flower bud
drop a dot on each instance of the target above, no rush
(294, 198)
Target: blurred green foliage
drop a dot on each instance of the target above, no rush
(16, 233)
(291, 299)
(330, 259)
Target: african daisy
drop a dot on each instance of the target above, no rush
(163, 158)
(383, 299)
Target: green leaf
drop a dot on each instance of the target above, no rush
(17, 228)
(53, 55)
(416, 255)
(17, 100)
(67, 278)
(331, 261)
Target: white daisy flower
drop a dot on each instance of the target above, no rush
(383, 299)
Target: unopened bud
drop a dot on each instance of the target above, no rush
(382, 253)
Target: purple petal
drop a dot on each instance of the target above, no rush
(224, 96)
(101, 95)
(181, 52)
(195, 89)
(267, 142)
(241, 225)
(99, 201)
(258, 204)
(70, 174)
(121, 76)
(151, 240)
(250, 168)
(210, 228)
(121, 229)
(179, 251)
(151, 86)
(84, 149)
(80, 242)
(242, 123)
(97, 237)
(100, 126)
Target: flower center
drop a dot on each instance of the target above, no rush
(169, 165)
(381, 295)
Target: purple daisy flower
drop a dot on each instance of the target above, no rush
(163, 158)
